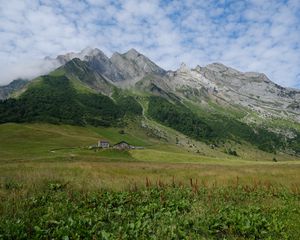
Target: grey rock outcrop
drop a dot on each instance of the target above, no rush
(84, 74)
(133, 65)
(97, 61)
(226, 85)
(130, 66)
(15, 85)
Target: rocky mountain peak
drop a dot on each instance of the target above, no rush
(132, 54)
(258, 76)
(198, 68)
(15, 85)
(219, 67)
(133, 65)
(85, 54)
(91, 52)
(183, 68)
(116, 55)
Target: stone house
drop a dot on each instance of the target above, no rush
(122, 145)
(103, 144)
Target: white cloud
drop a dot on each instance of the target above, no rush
(249, 35)
(27, 69)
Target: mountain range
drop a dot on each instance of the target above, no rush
(213, 104)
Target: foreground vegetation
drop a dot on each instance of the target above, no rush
(152, 212)
(53, 187)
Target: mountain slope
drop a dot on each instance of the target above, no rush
(213, 104)
(55, 99)
(81, 72)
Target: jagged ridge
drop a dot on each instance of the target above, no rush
(216, 90)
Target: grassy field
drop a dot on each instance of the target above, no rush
(53, 186)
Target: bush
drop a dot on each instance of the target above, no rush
(231, 152)
(12, 185)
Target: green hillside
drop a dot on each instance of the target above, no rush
(54, 99)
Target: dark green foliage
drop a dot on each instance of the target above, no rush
(213, 127)
(248, 222)
(153, 213)
(295, 143)
(267, 141)
(100, 109)
(180, 118)
(232, 152)
(52, 100)
(12, 185)
(55, 100)
(127, 103)
(230, 128)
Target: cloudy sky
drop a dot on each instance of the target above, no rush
(250, 35)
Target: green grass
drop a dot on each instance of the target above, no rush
(114, 136)
(53, 186)
(21, 142)
(113, 154)
(30, 141)
(58, 72)
(37, 140)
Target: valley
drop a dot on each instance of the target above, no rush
(219, 156)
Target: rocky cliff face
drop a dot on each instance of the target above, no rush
(6, 91)
(97, 61)
(135, 66)
(84, 74)
(129, 67)
(229, 86)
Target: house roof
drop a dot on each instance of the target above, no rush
(103, 141)
(121, 142)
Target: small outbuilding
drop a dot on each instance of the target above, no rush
(122, 145)
(103, 144)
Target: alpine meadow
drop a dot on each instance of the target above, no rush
(98, 147)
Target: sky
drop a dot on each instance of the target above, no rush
(250, 35)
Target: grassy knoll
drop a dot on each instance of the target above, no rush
(53, 186)
(46, 141)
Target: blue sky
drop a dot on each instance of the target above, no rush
(250, 35)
